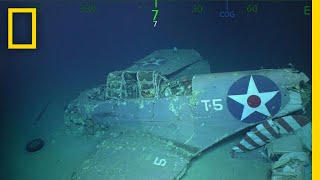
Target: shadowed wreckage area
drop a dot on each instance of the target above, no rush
(168, 108)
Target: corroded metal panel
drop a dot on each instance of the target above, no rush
(128, 154)
(166, 61)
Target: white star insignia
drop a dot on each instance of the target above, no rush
(253, 95)
(152, 61)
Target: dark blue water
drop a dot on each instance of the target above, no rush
(76, 50)
(74, 46)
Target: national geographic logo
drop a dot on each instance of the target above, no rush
(33, 12)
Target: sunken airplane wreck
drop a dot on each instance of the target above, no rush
(168, 107)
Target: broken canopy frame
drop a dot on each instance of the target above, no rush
(174, 63)
(181, 121)
(176, 119)
(134, 84)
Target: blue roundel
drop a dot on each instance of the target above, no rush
(253, 98)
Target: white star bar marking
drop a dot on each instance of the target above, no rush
(148, 62)
(252, 90)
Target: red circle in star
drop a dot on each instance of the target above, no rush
(254, 101)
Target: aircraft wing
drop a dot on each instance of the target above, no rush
(134, 155)
(217, 108)
(166, 61)
(161, 135)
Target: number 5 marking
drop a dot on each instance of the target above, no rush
(156, 11)
(161, 162)
(216, 106)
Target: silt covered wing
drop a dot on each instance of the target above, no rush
(166, 61)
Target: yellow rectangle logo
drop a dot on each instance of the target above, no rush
(33, 44)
